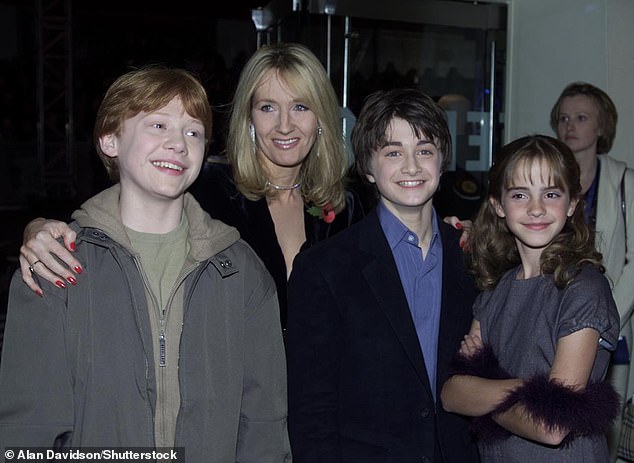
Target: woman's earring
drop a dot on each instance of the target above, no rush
(319, 130)
(252, 131)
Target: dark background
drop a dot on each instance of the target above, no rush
(108, 38)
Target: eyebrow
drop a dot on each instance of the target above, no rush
(398, 143)
(524, 188)
(161, 113)
(296, 100)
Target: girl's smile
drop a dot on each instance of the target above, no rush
(535, 209)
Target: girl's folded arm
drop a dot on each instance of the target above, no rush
(572, 365)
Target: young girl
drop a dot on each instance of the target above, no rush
(531, 370)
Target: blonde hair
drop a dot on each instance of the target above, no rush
(145, 90)
(492, 246)
(323, 171)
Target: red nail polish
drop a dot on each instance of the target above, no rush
(39, 293)
(78, 269)
(72, 280)
(458, 226)
(72, 246)
(60, 284)
(461, 244)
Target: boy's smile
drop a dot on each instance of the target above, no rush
(159, 153)
(406, 170)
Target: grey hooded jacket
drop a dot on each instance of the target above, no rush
(77, 364)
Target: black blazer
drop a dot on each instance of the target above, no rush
(216, 192)
(358, 387)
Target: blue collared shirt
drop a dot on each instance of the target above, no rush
(421, 280)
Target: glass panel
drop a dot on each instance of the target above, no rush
(462, 68)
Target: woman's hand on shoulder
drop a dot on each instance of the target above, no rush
(464, 225)
(41, 253)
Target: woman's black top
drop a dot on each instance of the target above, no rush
(216, 192)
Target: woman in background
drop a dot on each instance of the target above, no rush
(584, 117)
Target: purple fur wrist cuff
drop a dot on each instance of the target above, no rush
(583, 413)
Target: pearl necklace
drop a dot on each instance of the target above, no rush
(294, 186)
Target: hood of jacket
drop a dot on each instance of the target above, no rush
(206, 236)
(613, 169)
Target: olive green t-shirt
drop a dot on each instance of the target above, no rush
(162, 258)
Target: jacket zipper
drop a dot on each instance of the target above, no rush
(162, 320)
(162, 347)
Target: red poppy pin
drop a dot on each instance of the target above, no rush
(326, 213)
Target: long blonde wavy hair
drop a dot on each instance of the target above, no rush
(323, 171)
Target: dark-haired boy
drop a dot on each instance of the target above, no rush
(377, 311)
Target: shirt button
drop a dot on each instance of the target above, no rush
(411, 239)
(425, 460)
(424, 412)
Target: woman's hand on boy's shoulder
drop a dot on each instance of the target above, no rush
(41, 253)
(464, 226)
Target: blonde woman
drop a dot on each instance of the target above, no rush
(283, 186)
